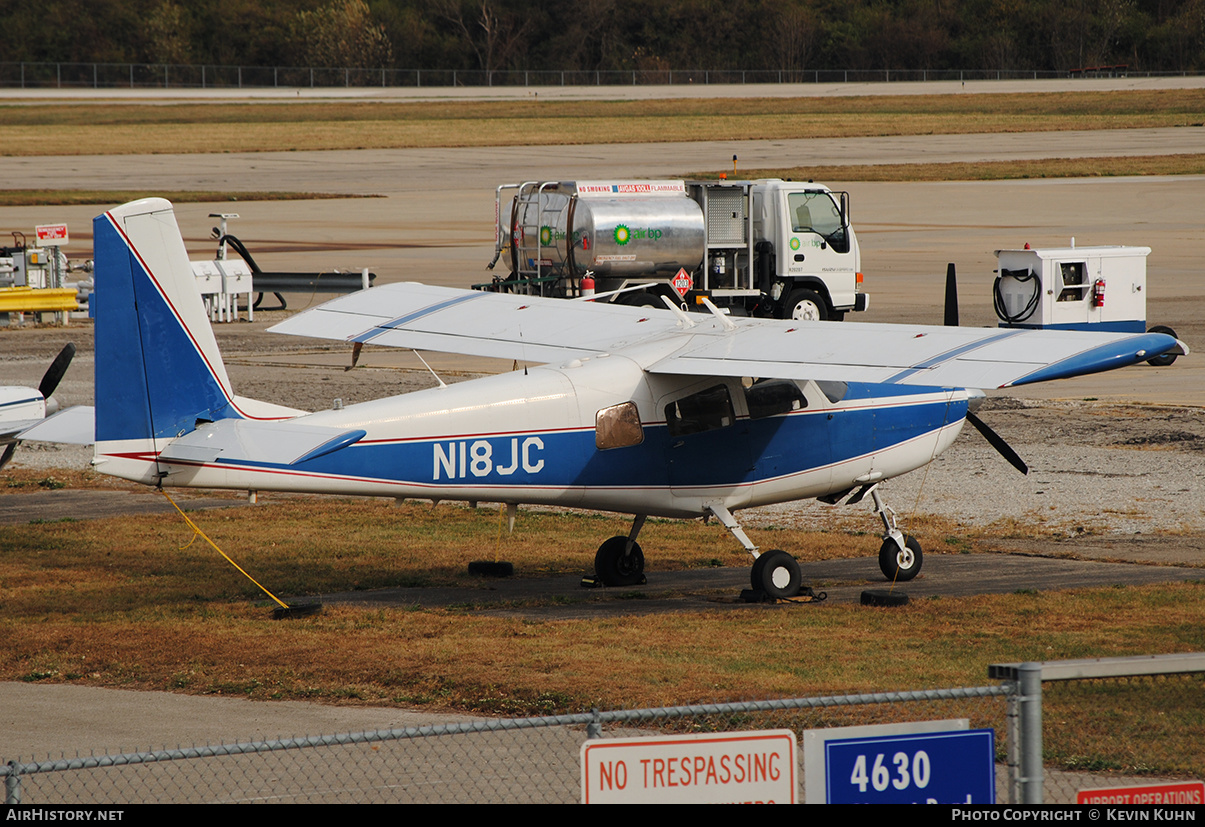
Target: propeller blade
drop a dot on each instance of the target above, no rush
(8, 454)
(54, 373)
(997, 442)
(951, 319)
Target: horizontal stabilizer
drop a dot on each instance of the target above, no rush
(72, 426)
(238, 441)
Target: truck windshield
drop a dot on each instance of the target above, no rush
(816, 212)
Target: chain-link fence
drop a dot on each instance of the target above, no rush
(529, 760)
(30, 75)
(1088, 732)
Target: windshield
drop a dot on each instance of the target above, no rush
(816, 212)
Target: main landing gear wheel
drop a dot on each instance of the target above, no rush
(1166, 359)
(777, 574)
(614, 568)
(899, 564)
(805, 305)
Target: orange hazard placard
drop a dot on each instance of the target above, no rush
(719, 768)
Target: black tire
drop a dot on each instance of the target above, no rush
(1166, 359)
(490, 568)
(899, 566)
(883, 597)
(777, 574)
(614, 568)
(805, 305)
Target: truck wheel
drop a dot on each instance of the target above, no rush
(644, 300)
(804, 305)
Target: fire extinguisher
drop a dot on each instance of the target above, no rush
(1098, 293)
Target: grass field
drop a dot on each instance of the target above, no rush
(122, 128)
(34, 198)
(990, 170)
(142, 604)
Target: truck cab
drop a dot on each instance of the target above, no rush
(809, 253)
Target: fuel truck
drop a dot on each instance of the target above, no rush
(769, 247)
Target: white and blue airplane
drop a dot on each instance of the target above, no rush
(32, 413)
(635, 411)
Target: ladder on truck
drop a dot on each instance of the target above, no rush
(533, 273)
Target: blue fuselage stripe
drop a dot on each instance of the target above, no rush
(749, 451)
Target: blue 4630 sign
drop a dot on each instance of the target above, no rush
(929, 768)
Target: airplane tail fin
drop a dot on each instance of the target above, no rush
(158, 370)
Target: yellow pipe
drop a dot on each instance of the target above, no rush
(29, 300)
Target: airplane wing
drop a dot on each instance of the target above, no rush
(530, 328)
(474, 323)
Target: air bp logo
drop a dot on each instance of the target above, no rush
(622, 235)
(545, 236)
(794, 244)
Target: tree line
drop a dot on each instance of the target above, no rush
(1044, 35)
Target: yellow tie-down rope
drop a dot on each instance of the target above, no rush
(197, 531)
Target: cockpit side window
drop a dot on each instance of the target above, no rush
(703, 411)
(771, 397)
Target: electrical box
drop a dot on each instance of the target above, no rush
(1070, 288)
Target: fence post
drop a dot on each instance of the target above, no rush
(594, 728)
(12, 783)
(1029, 703)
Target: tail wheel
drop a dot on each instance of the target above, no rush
(615, 568)
(777, 574)
(900, 564)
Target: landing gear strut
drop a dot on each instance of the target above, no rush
(775, 573)
(900, 557)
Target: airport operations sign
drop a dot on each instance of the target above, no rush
(1146, 795)
(935, 762)
(716, 768)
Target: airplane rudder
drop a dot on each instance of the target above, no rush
(157, 359)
